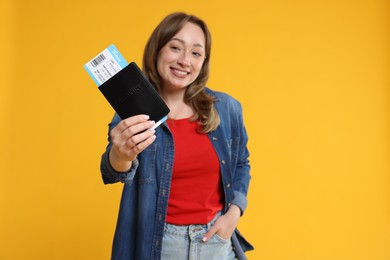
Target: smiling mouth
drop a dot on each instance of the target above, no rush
(180, 72)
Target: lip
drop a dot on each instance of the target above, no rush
(179, 72)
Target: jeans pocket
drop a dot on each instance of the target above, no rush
(220, 239)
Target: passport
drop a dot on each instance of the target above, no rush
(125, 86)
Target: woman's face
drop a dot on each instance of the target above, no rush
(180, 60)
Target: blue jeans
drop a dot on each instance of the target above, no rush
(185, 243)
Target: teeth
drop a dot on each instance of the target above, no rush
(181, 72)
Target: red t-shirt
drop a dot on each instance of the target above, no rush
(196, 191)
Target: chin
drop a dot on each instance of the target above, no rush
(179, 85)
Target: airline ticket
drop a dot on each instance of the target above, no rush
(105, 65)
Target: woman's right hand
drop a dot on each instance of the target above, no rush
(129, 138)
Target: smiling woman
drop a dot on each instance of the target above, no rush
(179, 63)
(194, 96)
(181, 59)
(312, 76)
(184, 191)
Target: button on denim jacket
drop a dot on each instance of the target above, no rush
(144, 202)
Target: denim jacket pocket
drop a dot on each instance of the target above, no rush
(147, 158)
(232, 144)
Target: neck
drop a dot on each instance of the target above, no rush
(172, 97)
(178, 108)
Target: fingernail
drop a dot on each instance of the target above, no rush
(147, 117)
(204, 239)
(152, 130)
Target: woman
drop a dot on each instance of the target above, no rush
(186, 181)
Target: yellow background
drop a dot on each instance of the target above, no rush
(312, 76)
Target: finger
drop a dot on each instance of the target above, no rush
(134, 140)
(136, 129)
(209, 234)
(143, 145)
(131, 131)
(128, 122)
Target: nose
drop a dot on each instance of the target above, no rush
(184, 59)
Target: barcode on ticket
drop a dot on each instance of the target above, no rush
(99, 59)
(105, 65)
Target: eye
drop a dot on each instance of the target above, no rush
(175, 48)
(197, 54)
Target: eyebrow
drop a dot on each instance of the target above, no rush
(183, 42)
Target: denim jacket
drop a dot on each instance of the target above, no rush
(144, 202)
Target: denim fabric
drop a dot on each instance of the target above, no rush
(144, 202)
(185, 243)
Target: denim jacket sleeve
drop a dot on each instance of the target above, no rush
(233, 131)
(241, 175)
(109, 175)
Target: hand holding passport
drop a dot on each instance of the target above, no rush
(125, 86)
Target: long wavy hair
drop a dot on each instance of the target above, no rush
(195, 95)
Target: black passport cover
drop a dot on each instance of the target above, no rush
(130, 93)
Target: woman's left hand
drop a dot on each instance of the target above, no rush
(225, 225)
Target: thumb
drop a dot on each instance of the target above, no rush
(209, 234)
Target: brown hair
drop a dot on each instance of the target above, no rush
(195, 95)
